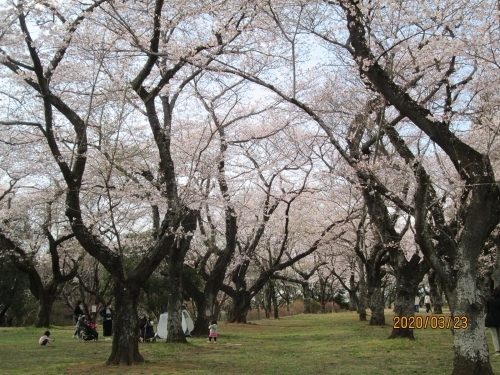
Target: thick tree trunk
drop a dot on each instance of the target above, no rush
(45, 301)
(204, 315)
(409, 275)
(175, 264)
(205, 301)
(377, 307)
(7, 301)
(307, 305)
(175, 271)
(404, 306)
(467, 322)
(266, 292)
(353, 301)
(125, 349)
(362, 314)
(201, 323)
(241, 306)
(217, 309)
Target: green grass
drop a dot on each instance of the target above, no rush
(303, 344)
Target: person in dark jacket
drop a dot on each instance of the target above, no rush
(107, 320)
(492, 320)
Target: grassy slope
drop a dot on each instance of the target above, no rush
(303, 344)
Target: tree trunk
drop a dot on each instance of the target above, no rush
(241, 306)
(496, 270)
(274, 299)
(377, 307)
(125, 349)
(353, 301)
(436, 293)
(205, 299)
(204, 315)
(404, 306)
(175, 264)
(307, 298)
(467, 322)
(201, 323)
(391, 297)
(46, 301)
(363, 295)
(217, 309)
(307, 305)
(2, 314)
(409, 275)
(176, 258)
(266, 292)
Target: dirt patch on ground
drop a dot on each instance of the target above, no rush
(146, 369)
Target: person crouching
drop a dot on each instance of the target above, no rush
(44, 340)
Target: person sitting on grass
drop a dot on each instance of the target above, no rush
(44, 340)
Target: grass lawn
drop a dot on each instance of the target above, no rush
(302, 344)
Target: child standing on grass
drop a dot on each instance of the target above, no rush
(213, 332)
(44, 340)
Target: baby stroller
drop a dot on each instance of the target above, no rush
(86, 329)
(147, 333)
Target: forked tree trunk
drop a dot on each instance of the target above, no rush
(241, 306)
(377, 307)
(125, 349)
(207, 308)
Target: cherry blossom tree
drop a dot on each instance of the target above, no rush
(302, 279)
(13, 287)
(44, 289)
(228, 113)
(46, 44)
(454, 256)
(39, 244)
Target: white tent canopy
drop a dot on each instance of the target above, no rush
(187, 324)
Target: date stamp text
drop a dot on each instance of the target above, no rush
(433, 322)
